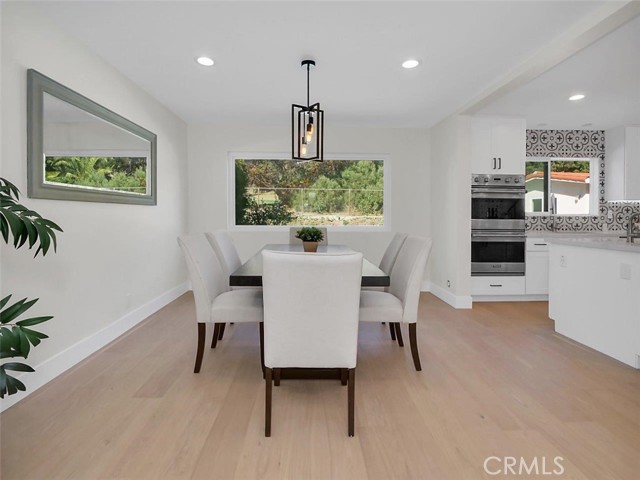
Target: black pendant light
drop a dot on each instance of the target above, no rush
(307, 127)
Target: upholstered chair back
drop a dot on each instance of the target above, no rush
(391, 253)
(224, 247)
(311, 304)
(407, 273)
(205, 273)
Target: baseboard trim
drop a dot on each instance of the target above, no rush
(456, 301)
(510, 298)
(61, 362)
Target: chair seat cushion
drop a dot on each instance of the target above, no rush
(244, 305)
(379, 307)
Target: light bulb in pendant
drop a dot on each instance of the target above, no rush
(310, 129)
(303, 146)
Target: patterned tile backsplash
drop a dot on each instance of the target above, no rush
(570, 144)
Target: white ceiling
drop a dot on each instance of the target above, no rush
(607, 72)
(359, 46)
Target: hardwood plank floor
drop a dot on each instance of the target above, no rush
(496, 381)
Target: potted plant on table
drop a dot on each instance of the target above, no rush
(310, 237)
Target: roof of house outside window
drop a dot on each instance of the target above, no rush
(580, 177)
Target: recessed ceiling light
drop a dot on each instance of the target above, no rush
(542, 125)
(410, 63)
(205, 61)
(578, 96)
(587, 125)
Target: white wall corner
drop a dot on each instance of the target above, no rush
(456, 301)
(58, 364)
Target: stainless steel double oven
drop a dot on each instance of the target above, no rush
(497, 225)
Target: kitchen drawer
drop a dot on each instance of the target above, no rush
(497, 285)
(537, 245)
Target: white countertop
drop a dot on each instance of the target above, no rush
(604, 242)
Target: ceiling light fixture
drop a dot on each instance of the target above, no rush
(410, 63)
(576, 97)
(205, 61)
(307, 123)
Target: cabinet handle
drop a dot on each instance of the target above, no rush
(500, 163)
(541, 244)
(494, 163)
(495, 285)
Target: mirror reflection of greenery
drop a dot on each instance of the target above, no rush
(114, 173)
(273, 192)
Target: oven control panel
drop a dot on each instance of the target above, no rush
(487, 180)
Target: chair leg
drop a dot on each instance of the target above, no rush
(392, 331)
(216, 334)
(267, 403)
(262, 348)
(413, 340)
(276, 376)
(344, 372)
(399, 334)
(221, 334)
(202, 333)
(351, 394)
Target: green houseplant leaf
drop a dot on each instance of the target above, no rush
(20, 226)
(23, 224)
(310, 234)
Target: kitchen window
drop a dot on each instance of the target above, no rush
(561, 186)
(343, 192)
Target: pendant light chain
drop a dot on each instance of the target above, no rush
(307, 136)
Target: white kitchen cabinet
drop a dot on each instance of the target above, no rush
(498, 285)
(498, 145)
(537, 267)
(622, 163)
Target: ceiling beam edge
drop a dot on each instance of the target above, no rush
(607, 19)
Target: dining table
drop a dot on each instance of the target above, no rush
(249, 274)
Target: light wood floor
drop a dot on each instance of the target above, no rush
(496, 381)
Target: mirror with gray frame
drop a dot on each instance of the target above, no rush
(80, 150)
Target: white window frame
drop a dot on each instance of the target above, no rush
(231, 184)
(594, 182)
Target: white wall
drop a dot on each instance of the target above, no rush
(450, 265)
(409, 174)
(115, 263)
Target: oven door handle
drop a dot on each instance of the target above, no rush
(498, 194)
(497, 238)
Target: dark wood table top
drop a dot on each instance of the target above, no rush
(250, 273)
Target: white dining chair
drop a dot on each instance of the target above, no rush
(293, 240)
(400, 303)
(215, 303)
(391, 253)
(311, 317)
(386, 265)
(225, 249)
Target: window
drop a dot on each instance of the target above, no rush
(342, 192)
(105, 171)
(560, 186)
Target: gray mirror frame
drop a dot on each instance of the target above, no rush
(37, 85)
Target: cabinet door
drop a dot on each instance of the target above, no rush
(499, 145)
(509, 145)
(482, 160)
(537, 276)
